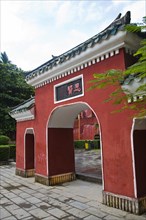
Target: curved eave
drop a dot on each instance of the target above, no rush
(23, 115)
(111, 45)
(112, 29)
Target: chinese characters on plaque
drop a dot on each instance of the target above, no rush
(70, 89)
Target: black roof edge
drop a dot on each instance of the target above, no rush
(31, 98)
(118, 20)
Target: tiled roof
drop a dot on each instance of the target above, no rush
(26, 105)
(130, 85)
(112, 29)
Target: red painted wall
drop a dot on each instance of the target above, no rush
(61, 151)
(20, 142)
(115, 130)
(87, 132)
(84, 126)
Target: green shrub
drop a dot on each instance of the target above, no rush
(4, 140)
(79, 144)
(12, 151)
(96, 144)
(4, 153)
(93, 144)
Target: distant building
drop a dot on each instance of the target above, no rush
(86, 126)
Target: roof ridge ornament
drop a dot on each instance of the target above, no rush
(123, 20)
(120, 20)
(112, 29)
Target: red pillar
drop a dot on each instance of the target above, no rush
(24, 150)
(60, 155)
(124, 162)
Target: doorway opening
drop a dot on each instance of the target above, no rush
(87, 147)
(139, 146)
(62, 154)
(29, 152)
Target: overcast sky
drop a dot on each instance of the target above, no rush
(32, 31)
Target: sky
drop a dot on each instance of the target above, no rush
(34, 30)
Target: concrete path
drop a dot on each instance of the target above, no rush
(88, 165)
(22, 198)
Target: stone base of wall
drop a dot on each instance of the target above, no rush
(134, 205)
(42, 179)
(54, 180)
(25, 173)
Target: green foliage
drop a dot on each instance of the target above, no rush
(114, 77)
(7, 152)
(13, 91)
(4, 153)
(12, 152)
(4, 58)
(140, 66)
(4, 140)
(93, 144)
(79, 144)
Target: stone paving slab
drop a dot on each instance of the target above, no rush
(22, 198)
(88, 164)
(39, 213)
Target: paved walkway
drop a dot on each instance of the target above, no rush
(22, 198)
(88, 165)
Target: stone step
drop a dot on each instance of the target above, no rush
(89, 177)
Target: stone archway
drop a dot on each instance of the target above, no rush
(87, 147)
(29, 150)
(61, 158)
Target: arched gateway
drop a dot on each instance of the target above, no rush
(61, 92)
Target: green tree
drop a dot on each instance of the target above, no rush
(115, 78)
(13, 91)
(4, 58)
